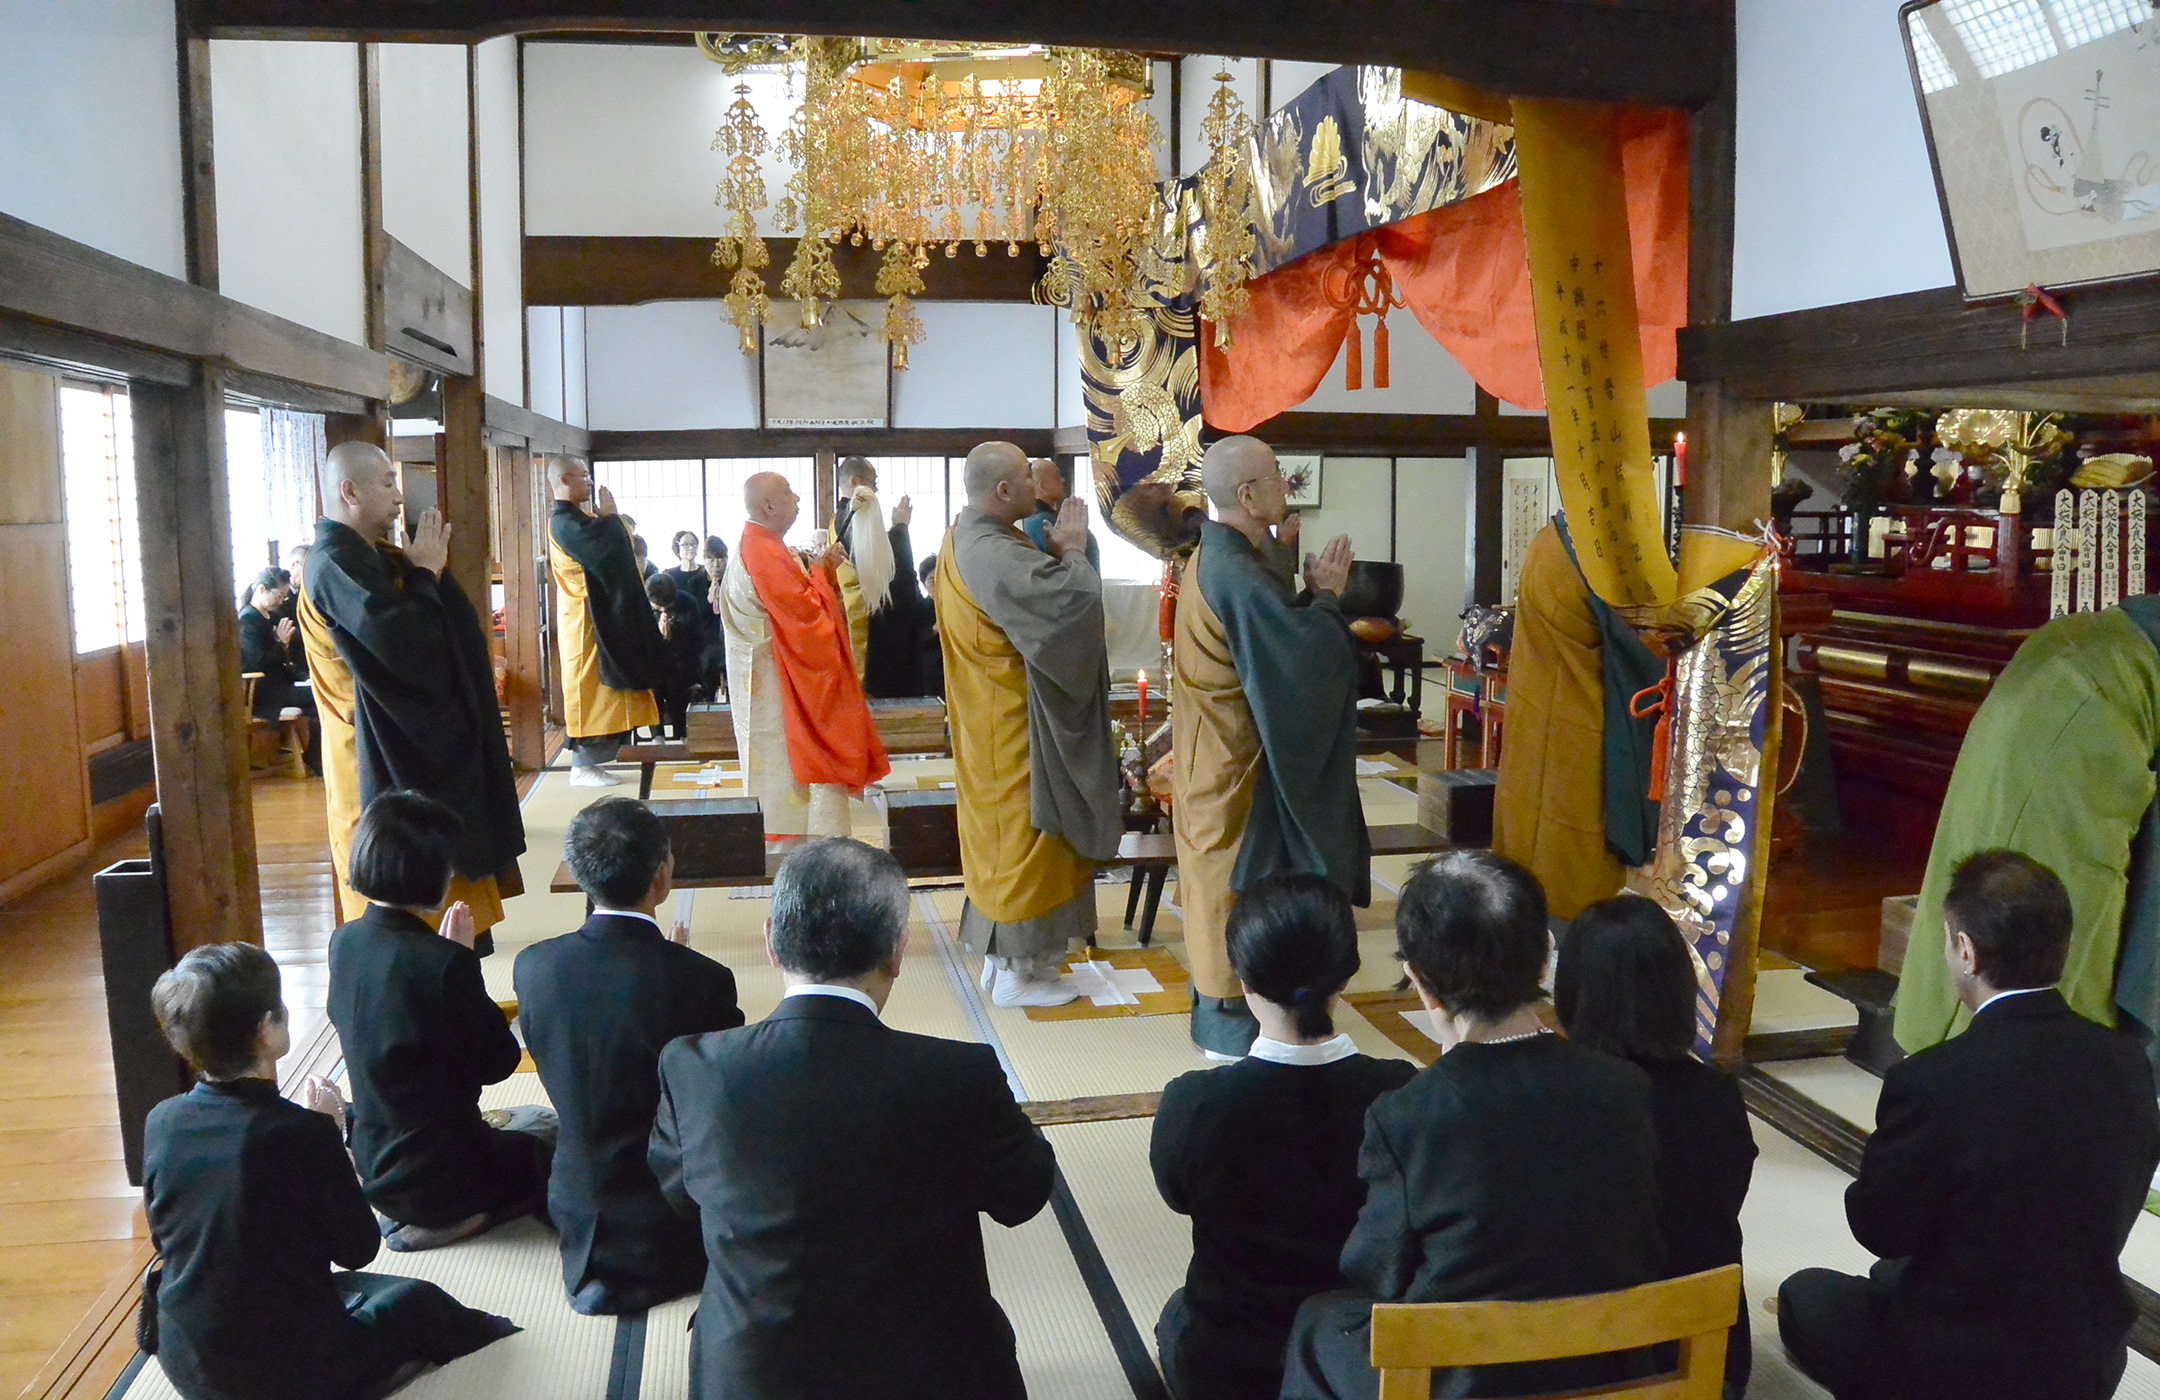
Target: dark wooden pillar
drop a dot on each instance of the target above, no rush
(825, 481)
(1488, 478)
(517, 549)
(198, 726)
(461, 484)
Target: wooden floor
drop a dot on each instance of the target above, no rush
(71, 1229)
(1823, 908)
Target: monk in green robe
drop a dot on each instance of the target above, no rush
(2058, 764)
(1264, 690)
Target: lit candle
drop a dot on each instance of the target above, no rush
(1679, 459)
(1143, 707)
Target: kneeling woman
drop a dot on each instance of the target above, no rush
(1262, 1154)
(251, 1200)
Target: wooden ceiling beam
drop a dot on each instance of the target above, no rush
(1656, 52)
(1936, 342)
(600, 271)
(53, 281)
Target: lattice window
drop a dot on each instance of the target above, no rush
(1935, 71)
(97, 458)
(2002, 35)
(2082, 21)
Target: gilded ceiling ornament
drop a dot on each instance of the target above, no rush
(742, 194)
(1226, 208)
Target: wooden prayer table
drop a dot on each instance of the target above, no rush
(1404, 655)
(720, 844)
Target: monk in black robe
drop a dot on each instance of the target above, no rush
(404, 685)
(613, 657)
(880, 587)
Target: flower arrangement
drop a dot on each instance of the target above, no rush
(1874, 462)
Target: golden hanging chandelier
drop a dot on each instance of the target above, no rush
(909, 146)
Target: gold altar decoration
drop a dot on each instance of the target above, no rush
(2004, 441)
(911, 146)
(1226, 201)
(1783, 417)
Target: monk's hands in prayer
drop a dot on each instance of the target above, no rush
(680, 933)
(286, 631)
(834, 556)
(603, 501)
(430, 547)
(322, 1096)
(1286, 534)
(1329, 570)
(1068, 533)
(904, 512)
(457, 924)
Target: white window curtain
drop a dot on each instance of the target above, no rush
(293, 451)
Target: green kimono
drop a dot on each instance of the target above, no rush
(2058, 764)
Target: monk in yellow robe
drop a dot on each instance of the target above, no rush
(404, 685)
(612, 652)
(1027, 686)
(1264, 699)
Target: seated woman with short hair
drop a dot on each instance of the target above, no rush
(1626, 986)
(1518, 1166)
(422, 1038)
(1262, 1154)
(251, 1201)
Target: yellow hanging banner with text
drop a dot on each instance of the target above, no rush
(1582, 288)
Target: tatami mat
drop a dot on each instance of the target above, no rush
(1786, 1001)
(1834, 1082)
(1145, 1244)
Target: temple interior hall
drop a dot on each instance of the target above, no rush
(1824, 332)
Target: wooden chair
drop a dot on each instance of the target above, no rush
(1409, 1340)
(267, 738)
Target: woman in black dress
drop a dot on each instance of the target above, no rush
(1626, 985)
(251, 1203)
(1262, 1154)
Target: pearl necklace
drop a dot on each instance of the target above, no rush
(1511, 1039)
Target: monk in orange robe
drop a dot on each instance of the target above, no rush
(802, 727)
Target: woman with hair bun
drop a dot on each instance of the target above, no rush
(1262, 1153)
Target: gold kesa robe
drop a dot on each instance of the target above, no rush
(1548, 811)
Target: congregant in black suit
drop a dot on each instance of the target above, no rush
(1626, 985)
(841, 1168)
(597, 1006)
(2005, 1171)
(1262, 1154)
(422, 1038)
(251, 1201)
(270, 650)
(1518, 1166)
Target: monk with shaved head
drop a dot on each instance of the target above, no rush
(802, 727)
(1264, 685)
(404, 684)
(1027, 685)
(612, 652)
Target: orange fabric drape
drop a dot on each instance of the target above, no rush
(1462, 270)
(830, 736)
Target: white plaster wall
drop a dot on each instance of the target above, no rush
(93, 87)
(981, 365)
(577, 408)
(1833, 196)
(286, 119)
(1287, 78)
(618, 139)
(1071, 386)
(667, 364)
(1354, 501)
(544, 360)
(1433, 501)
(1422, 376)
(502, 232)
(427, 185)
